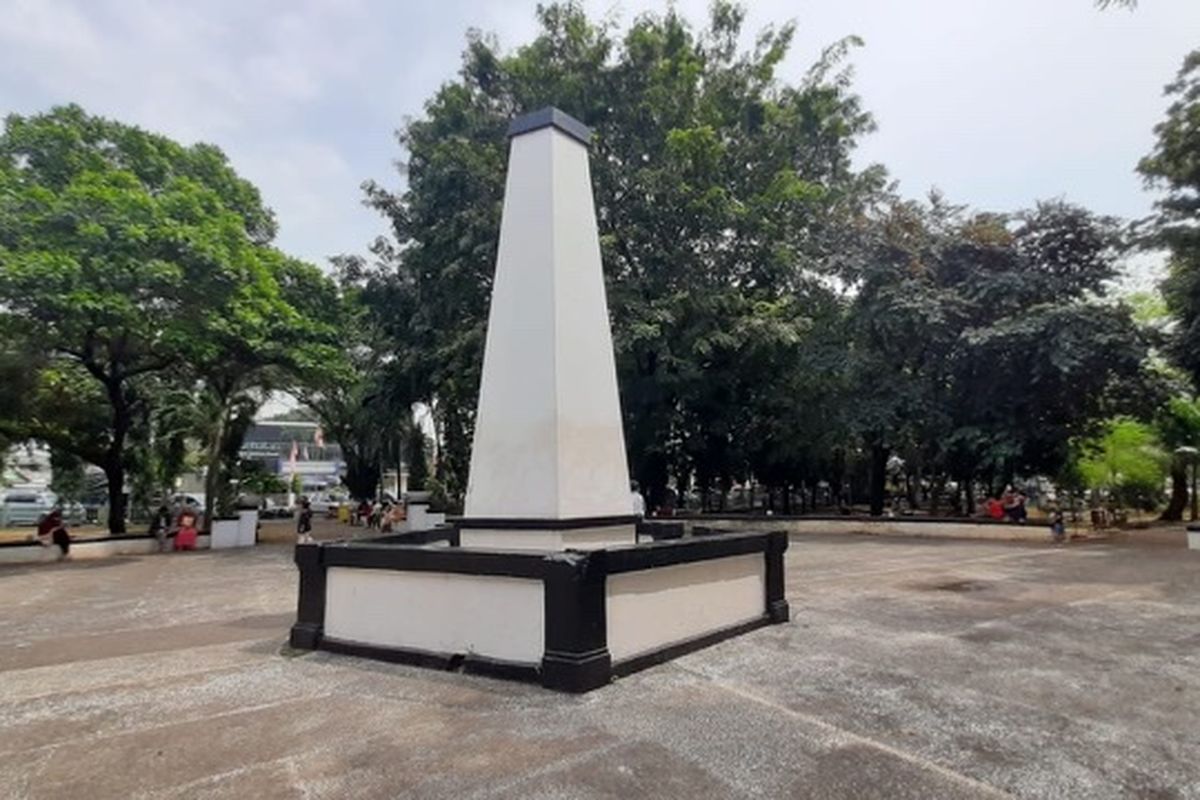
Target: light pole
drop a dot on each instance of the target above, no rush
(1194, 454)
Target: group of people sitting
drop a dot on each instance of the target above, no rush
(383, 516)
(1009, 505)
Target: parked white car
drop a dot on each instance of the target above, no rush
(327, 504)
(25, 507)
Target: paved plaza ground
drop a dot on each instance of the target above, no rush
(912, 669)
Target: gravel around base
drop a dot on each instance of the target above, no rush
(912, 669)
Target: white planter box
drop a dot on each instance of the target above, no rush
(247, 528)
(1194, 540)
(224, 533)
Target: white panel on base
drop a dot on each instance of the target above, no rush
(651, 609)
(487, 615)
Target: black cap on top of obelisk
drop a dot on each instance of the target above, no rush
(549, 117)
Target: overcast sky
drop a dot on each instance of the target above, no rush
(996, 102)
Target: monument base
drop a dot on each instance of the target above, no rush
(571, 620)
(583, 533)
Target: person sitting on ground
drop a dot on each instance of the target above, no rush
(52, 530)
(1014, 507)
(304, 522)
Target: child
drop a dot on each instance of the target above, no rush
(1058, 527)
(185, 533)
(304, 523)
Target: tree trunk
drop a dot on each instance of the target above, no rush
(212, 478)
(1195, 493)
(935, 496)
(1179, 492)
(879, 458)
(115, 474)
(114, 462)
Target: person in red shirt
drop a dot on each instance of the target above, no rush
(995, 508)
(185, 533)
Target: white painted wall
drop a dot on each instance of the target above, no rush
(548, 437)
(225, 534)
(247, 528)
(899, 526)
(580, 539)
(650, 609)
(420, 518)
(488, 615)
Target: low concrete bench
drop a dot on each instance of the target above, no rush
(126, 544)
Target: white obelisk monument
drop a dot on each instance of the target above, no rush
(548, 467)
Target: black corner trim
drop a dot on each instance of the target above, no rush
(777, 605)
(576, 658)
(541, 523)
(576, 673)
(310, 606)
(550, 117)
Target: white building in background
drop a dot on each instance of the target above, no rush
(287, 448)
(26, 466)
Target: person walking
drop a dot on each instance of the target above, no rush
(304, 523)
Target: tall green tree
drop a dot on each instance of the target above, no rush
(986, 344)
(124, 255)
(1178, 427)
(1173, 168)
(357, 396)
(1127, 462)
(720, 190)
(278, 330)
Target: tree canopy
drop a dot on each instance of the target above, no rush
(1174, 168)
(783, 317)
(777, 311)
(126, 256)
